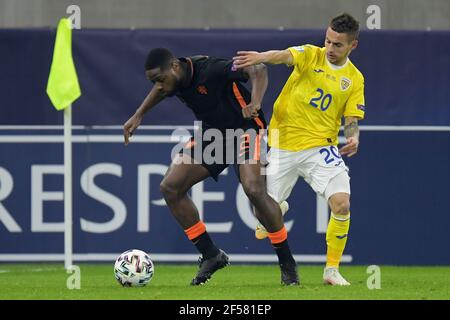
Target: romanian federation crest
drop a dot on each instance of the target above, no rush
(345, 83)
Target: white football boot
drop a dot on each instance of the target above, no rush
(260, 231)
(333, 277)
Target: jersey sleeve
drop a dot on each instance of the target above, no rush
(302, 56)
(224, 70)
(355, 106)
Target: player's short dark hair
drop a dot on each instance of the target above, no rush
(159, 57)
(345, 23)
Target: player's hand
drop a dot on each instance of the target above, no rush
(351, 147)
(130, 126)
(246, 58)
(250, 111)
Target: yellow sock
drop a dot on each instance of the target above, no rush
(336, 238)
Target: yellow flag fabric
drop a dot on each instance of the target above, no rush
(62, 86)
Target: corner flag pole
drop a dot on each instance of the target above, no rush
(68, 225)
(63, 89)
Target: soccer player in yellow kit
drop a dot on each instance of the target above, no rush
(303, 132)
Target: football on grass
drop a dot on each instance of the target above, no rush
(134, 268)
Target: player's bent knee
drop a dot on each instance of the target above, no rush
(343, 209)
(254, 190)
(340, 206)
(165, 188)
(170, 190)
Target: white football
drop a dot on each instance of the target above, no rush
(134, 268)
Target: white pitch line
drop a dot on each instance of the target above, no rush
(95, 127)
(90, 138)
(404, 128)
(166, 257)
(190, 127)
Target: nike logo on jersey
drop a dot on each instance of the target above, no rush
(341, 237)
(318, 70)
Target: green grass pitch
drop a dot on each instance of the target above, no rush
(255, 282)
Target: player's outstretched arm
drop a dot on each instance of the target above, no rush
(247, 58)
(155, 96)
(259, 80)
(351, 132)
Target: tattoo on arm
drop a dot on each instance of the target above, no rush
(351, 130)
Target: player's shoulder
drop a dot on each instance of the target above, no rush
(306, 48)
(356, 73)
(207, 65)
(209, 61)
(198, 59)
(306, 53)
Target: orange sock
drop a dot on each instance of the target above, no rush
(279, 236)
(196, 230)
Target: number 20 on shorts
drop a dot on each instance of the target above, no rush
(331, 154)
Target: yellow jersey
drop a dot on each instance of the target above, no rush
(309, 109)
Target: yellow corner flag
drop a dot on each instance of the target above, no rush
(62, 86)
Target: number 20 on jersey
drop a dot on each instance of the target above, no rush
(323, 100)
